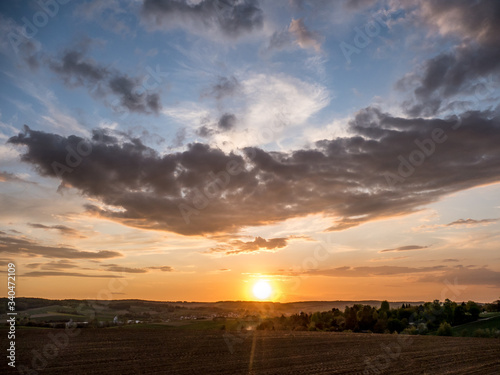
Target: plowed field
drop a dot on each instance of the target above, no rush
(159, 351)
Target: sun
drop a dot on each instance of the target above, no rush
(262, 289)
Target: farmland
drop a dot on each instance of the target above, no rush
(157, 350)
(488, 321)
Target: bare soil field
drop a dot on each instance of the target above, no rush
(158, 351)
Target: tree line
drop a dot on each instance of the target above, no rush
(425, 318)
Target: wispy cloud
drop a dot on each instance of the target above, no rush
(23, 246)
(387, 259)
(471, 222)
(258, 244)
(162, 268)
(63, 229)
(466, 276)
(124, 269)
(460, 223)
(305, 38)
(470, 275)
(76, 70)
(67, 274)
(11, 177)
(404, 248)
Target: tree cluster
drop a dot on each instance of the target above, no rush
(418, 319)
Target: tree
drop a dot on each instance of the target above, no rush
(385, 306)
(459, 315)
(474, 309)
(381, 325)
(448, 309)
(366, 318)
(395, 325)
(351, 319)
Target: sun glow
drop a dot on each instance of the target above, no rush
(262, 289)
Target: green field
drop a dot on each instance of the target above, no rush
(491, 322)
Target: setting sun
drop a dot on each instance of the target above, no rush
(262, 290)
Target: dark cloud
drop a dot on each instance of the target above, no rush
(258, 244)
(447, 75)
(162, 268)
(458, 223)
(471, 222)
(224, 87)
(23, 246)
(122, 269)
(204, 131)
(464, 69)
(404, 248)
(450, 260)
(358, 4)
(63, 229)
(133, 97)
(477, 20)
(70, 274)
(77, 70)
(228, 18)
(320, 7)
(227, 122)
(67, 264)
(356, 179)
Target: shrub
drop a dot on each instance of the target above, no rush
(445, 329)
(480, 333)
(422, 329)
(410, 331)
(486, 333)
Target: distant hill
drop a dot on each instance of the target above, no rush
(32, 305)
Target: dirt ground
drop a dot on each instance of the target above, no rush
(159, 351)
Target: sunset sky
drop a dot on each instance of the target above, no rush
(185, 150)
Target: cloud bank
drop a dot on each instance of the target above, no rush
(370, 175)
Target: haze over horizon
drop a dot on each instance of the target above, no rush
(185, 150)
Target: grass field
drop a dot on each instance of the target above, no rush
(491, 322)
(150, 350)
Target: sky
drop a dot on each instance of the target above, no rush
(185, 150)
